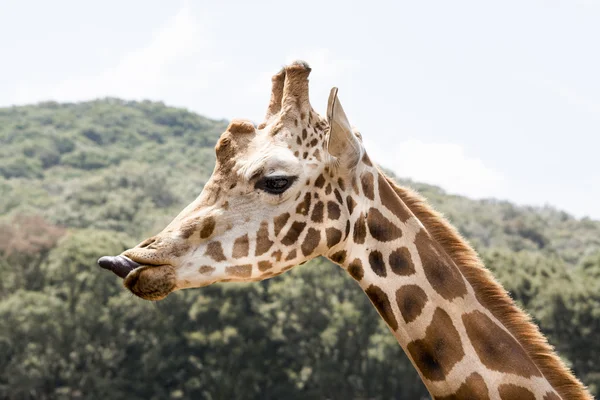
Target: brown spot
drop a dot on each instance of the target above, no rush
(317, 154)
(377, 264)
(436, 354)
(391, 200)
(279, 222)
(508, 391)
(551, 396)
(333, 236)
(311, 241)
(366, 181)
(328, 189)
(341, 184)
(243, 271)
(317, 213)
(276, 255)
(314, 142)
(355, 269)
(381, 228)
(338, 257)
(400, 262)
(233, 185)
(439, 268)
(291, 256)
(263, 244)
(296, 154)
(360, 230)
(333, 210)
(292, 234)
(355, 185)
(474, 388)
(351, 204)
(304, 206)
(296, 122)
(411, 299)
(320, 182)
(264, 265)
(179, 250)
(497, 349)
(208, 226)
(241, 246)
(383, 306)
(215, 251)
(367, 160)
(338, 197)
(206, 270)
(304, 133)
(347, 230)
(305, 155)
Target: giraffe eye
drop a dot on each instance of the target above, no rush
(275, 184)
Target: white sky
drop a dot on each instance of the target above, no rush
(486, 99)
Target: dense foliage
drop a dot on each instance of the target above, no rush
(78, 181)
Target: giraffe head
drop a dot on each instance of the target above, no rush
(279, 196)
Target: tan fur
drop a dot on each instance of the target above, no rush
(493, 296)
(240, 126)
(276, 96)
(295, 101)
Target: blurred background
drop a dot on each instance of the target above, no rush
(109, 113)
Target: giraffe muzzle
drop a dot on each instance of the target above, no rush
(119, 265)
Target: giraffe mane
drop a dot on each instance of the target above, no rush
(493, 296)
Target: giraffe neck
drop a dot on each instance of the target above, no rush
(455, 341)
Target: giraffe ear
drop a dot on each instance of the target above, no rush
(342, 143)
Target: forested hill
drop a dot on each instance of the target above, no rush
(82, 180)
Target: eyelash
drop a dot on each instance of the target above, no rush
(275, 184)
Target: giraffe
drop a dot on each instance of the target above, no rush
(298, 186)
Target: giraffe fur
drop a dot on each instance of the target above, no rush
(298, 186)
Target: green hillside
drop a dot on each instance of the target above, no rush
(78, 181)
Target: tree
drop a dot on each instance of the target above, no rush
(25, 243)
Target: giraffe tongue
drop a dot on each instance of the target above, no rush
(120, 265)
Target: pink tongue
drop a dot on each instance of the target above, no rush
(120, 265)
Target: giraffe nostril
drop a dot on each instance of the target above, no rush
(147, 243)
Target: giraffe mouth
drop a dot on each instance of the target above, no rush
(119, 265)
(150, 282)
